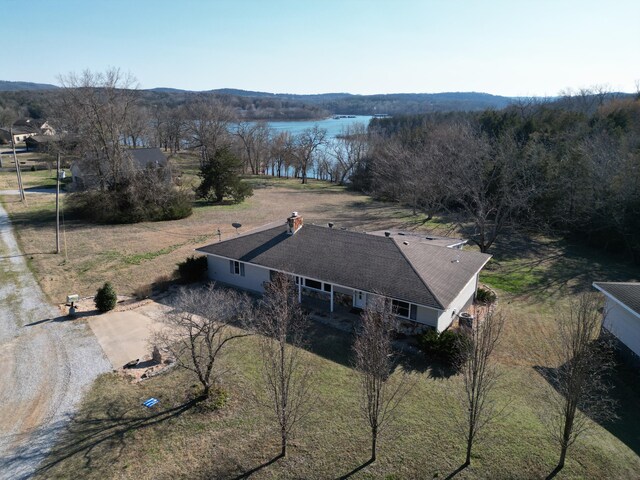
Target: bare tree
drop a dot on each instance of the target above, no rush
(282, 154)
(349, 150)
(479, 375)
(137, 127)
(97, 108)
(490, 183)
(200, 326)
(254, 144)
(578, 388)
(287, 375)
(206, 123)
(7, 116)
(306, 144)
(408, 172)
(381, 392)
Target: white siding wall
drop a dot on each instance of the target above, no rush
(428, 316)
(464, 299)
(623, 324)
(253, 279)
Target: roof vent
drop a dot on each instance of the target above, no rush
(387, 234)
(330, 224)
(405, 243)
(401, 233)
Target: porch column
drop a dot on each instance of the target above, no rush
(331, 309)
(300, 291)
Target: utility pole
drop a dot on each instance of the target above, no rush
(18, 173)
(58, 203)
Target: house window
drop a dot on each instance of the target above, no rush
(326, 287)
(404, 309)
(312, 284)
(236, 268)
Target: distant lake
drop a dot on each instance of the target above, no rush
(333, 127)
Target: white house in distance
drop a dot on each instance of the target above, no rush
(622, 307)
(430, 280)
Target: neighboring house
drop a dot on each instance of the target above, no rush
(41, 143)
(25, 128)
(85, 172)
(38, 126)
(622, 313)
(428, 284)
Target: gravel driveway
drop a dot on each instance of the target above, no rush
(46, 362)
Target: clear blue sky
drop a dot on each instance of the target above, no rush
(511, 47)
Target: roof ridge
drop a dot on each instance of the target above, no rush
(422, 279)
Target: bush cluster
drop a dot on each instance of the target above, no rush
(132, 202)
(485, 295)
(106, 298)
(444, 346)
(192, 269)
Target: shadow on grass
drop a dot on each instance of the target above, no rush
(337, 346)
(456, 471)
(248, 473)
(553, 473)
(523, 265)
(6, 257)
(356, 470)
(625, 381)
(85, 435)
(35, 218)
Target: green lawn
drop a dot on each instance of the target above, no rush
(39, 178)
(115, 437)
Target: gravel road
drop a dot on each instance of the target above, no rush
(47, 363)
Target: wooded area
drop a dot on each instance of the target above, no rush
(570, 167)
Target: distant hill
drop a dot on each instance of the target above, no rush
(347, 103)
(257, 105)
(7, 86)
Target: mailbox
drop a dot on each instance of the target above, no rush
(73, 298)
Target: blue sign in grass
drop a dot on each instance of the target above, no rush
(150, 403)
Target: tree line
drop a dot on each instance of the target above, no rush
(571, 167)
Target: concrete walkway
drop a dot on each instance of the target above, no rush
(125, 336)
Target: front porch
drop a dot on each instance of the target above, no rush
(319, 309)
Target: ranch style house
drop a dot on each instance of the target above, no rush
(430, 280)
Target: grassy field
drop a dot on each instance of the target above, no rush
(134, 255)
(114, 437)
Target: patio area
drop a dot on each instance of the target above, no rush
(343, 318)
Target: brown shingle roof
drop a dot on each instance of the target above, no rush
(627, 293)
(422, 274)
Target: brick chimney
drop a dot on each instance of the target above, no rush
(294, 223)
